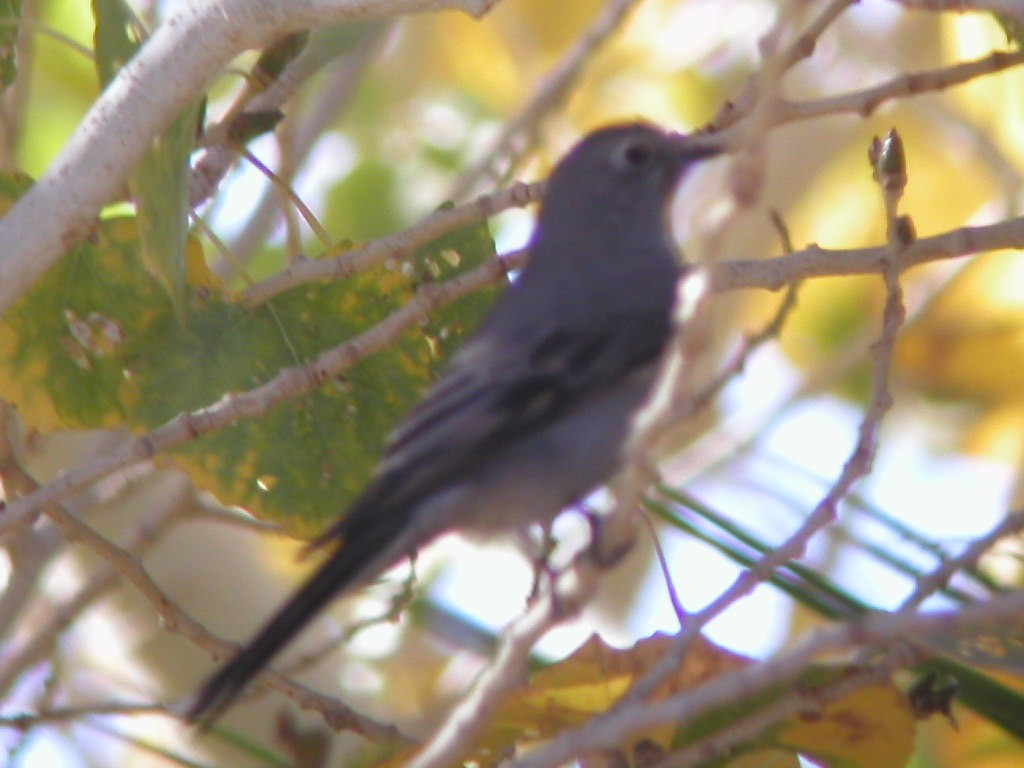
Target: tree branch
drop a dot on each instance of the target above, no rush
(169, 72)
(553, 89)
(874, 631)
(396, 246)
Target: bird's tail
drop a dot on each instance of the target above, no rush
(361, 555)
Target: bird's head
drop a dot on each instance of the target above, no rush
(622, 170)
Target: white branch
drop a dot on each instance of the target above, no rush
(169, 72)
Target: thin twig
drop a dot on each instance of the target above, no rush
(857, 465)
(873, 631)
(801, 47)
(43, 638)
(332, 99)
(125, 563)
(864, 102)
(570, 591)
(666, 572)
(555, 87)
(932, 582)
(28, 720)
(396, 246)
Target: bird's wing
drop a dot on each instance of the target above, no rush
(476, 408)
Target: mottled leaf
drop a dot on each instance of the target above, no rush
(872, 727)
(96, 343)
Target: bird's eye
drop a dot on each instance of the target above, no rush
(635, 154)
(638, 154)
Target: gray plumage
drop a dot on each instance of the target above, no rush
(533, 411)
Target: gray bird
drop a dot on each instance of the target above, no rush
(533, 412)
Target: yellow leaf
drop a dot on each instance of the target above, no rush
(590, 681)
(870, 728)
(969, 343)
(197, 272)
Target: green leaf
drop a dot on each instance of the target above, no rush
(117, 37)
(10, 24)
(363, 204)
(160, 188)
(159, 184)
(96, 343)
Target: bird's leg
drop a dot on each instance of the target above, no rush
(539, 549)
(610, 540)
(401, 600)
